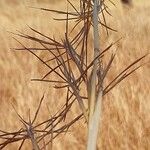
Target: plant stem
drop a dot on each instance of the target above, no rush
(95, 98)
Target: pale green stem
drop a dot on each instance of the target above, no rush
(95, 102)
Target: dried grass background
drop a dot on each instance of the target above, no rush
(126, 119)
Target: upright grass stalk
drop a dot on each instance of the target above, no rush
(95, 98)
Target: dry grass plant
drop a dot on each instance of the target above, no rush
(76, 72)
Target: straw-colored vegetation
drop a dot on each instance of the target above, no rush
(125, 120)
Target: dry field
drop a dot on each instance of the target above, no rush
(126, 119)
